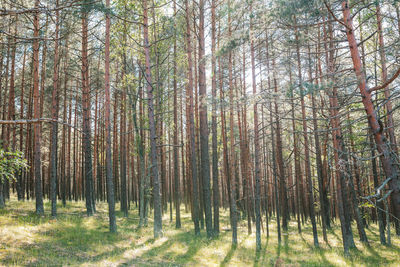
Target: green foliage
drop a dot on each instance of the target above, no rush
(233, 43)
(367, 205)
(11, 163)
(287, 9)
(307, 89)
(86, 6)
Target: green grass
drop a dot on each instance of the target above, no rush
(75, 239)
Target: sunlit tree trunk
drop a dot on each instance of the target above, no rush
(388, 157)
(109, 178)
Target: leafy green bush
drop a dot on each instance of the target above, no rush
(11, 163)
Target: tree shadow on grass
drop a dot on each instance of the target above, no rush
(332, 232)
(257, 256)
(67, 242)
(305, 242)
(229, 256)
(192, 243)
(278, 249)
(321, 251)
(286, 243)
(371, 232)
(374, 253)
(263, 253)
(325, 261)
(372, 259)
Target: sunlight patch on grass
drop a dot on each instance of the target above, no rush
(76, 239)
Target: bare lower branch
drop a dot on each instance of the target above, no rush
(385, 84)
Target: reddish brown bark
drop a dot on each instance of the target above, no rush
(387, 155)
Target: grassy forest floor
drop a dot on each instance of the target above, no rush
(75, 239)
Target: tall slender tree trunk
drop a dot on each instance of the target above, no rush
(257, 167)
(214, 121)
(306, 148)
(3, 136)
(54, 124)
(115, 147)
(204, 150)
(123, 133)
(86, 129)
(109, 178)
(297, 167)
(143, 193)
(152, 126)
(65, 185)
(274, 167)
(192, 145)
(232, 183)
(339, 153)
(320, 172)
(388, 157)
(22, 174)
(389, 108)
(11, 137)
(36, 115)
(176, 136)
(279, 155)
(275, 173)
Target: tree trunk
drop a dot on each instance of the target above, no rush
(21, 175)
(306, 148)
(297, 166)
(214, 121)
(389, 108)
(229, 170)
(192, 146)
(176, 136)
(86, 128)
(257, 170)
(339, 153)
(54, 125)
(152, 126)
(205, 160)
(109, 178)
(387, 156)
(36, 115)
(123, 133)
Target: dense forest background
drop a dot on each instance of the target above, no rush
(280, 109)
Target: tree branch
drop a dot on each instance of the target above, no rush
(385, 84)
